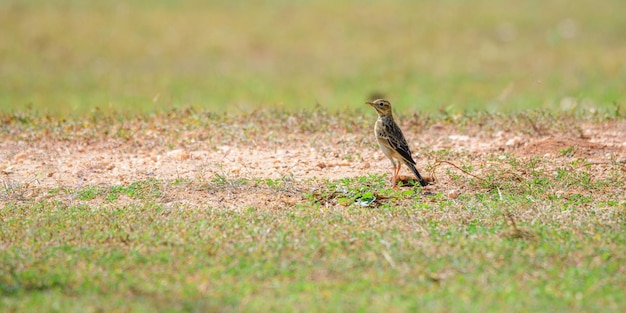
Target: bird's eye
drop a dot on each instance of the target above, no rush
(381, 104)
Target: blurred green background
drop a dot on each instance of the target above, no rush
(70, 56)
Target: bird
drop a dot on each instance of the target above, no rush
(392, 142)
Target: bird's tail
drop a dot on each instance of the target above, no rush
(417, 174)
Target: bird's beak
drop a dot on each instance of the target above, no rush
(370, 103)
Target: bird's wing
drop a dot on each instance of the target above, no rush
(394, 139)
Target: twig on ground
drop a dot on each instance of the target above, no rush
(439, 162)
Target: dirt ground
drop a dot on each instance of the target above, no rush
(332, 154)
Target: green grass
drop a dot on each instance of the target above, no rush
(526, 234)
(405, 252)
(71, 56)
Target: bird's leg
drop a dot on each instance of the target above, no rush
(394, 181)
(393, 165)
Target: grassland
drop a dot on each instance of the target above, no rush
(504, 229)
(69, 56)
(213, 156)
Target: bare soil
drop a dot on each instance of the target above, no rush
(36, 164)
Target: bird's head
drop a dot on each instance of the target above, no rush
(382, 106)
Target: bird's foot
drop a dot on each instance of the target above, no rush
(394, 183)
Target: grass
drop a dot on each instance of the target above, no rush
(403, 255)
(525, 233)
(499, 231)
(71, 57)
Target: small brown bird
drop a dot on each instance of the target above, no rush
(392, 142)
